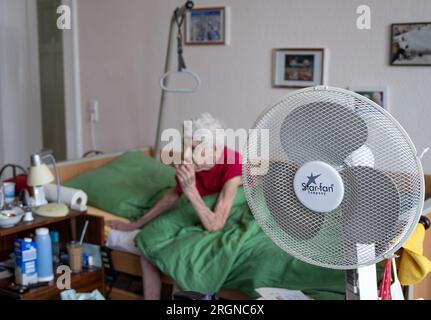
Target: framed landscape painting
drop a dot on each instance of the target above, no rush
(206, 26)
(298, 68)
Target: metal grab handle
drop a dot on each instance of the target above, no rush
(180, 90)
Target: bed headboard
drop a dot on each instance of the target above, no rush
(71, 169)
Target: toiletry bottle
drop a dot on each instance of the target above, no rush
(44, 255)
(1, 197)
(55, 240)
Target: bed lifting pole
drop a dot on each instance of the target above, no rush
(179, 12)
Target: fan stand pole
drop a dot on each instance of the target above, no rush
(361, 283)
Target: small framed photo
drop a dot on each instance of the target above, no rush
(298, 68)
(378, 94)
(206, 26)
(411, 44)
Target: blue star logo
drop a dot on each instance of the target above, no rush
(312, 179)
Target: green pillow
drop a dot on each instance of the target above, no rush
(128, 186)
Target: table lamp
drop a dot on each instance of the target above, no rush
(40, 175)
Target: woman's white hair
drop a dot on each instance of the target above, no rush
(206, 129)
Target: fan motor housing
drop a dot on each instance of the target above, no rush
(318, 186)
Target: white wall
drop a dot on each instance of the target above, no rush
(123, 46)
(20, 122)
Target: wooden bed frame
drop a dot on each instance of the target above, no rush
(130, 264)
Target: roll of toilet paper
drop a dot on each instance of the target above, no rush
(74, 198)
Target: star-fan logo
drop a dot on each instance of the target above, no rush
(313, 187)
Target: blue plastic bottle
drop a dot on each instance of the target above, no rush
(44, 255)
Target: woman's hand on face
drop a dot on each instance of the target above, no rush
(186, 176)
(122, 226)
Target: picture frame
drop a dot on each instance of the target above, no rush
(298, 67)
(206, 26)
(410, 44)
(378, 94)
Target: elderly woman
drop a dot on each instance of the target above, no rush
(214, 169)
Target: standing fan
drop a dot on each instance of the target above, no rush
(341, 185)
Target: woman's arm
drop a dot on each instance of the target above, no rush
(161, 206)
(211, 220)
(215, 220)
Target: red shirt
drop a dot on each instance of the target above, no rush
(212, 181)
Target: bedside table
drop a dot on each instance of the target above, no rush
(85, 281)
(69, 228)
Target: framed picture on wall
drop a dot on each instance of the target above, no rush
(298, 68)
(206, 26)
(411, 44)
(378, 94)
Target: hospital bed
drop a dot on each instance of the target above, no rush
(127, 261)
(124, 261)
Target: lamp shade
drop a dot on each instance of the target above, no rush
(39, 175)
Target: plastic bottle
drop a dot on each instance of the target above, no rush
(55, 241)
(44, 255)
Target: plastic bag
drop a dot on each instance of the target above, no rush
(385, 286)
(73, 295)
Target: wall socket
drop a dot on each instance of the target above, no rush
(93, 110)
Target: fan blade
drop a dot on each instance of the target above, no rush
(317, 131)
(363, 157)
(288, 213)
(371, 198)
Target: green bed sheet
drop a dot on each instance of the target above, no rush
(127, 186)
(240, 256)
